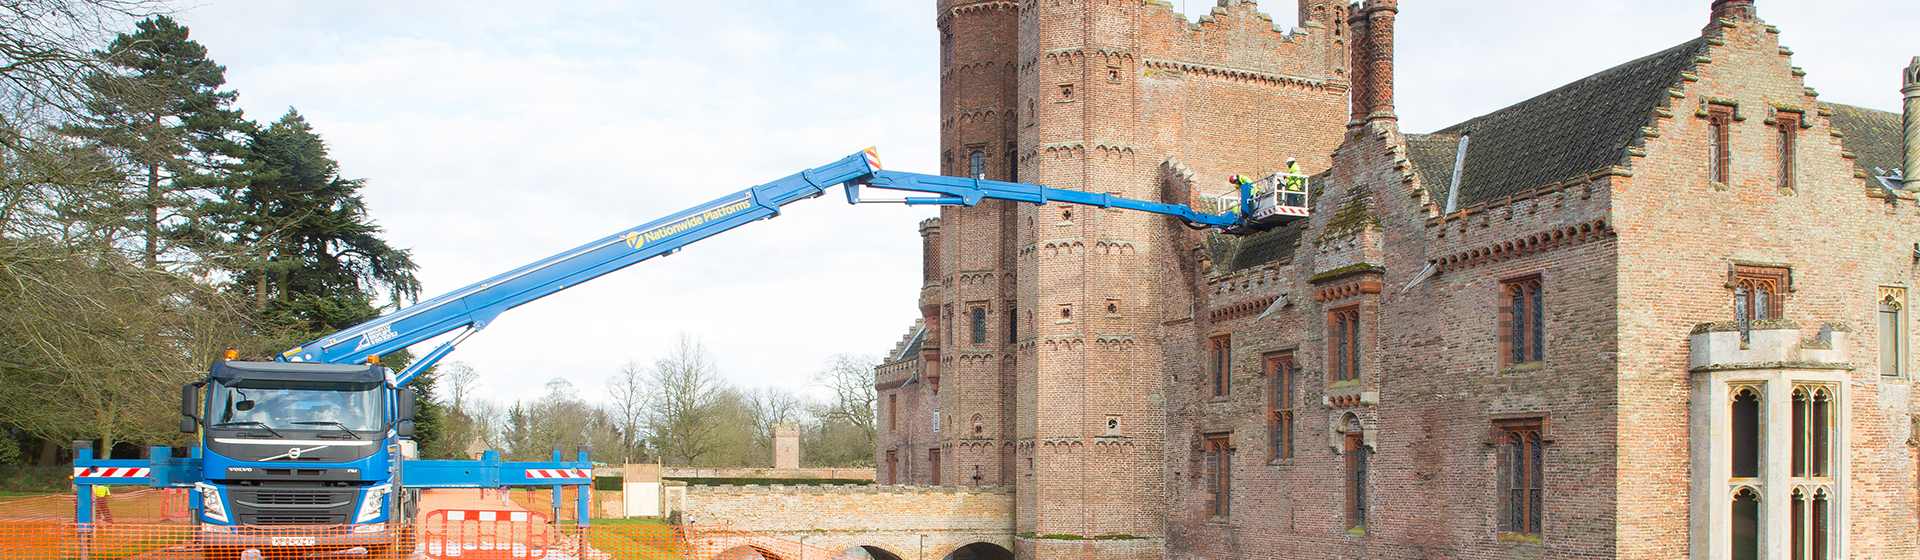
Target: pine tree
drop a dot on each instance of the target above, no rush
(304, 248)
(156, 105)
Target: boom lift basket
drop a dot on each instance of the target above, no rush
(1277, 200)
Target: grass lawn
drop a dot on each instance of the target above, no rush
(643, 538)
(655, 521)
(14, 495)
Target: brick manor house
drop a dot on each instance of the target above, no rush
(1658, 312)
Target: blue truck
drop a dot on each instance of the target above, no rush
(309, 451)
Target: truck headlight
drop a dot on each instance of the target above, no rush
(372, 503)
(210, 502)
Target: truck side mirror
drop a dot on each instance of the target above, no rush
(189, 400)
(406, 405)
(188, 425)
(405, 429)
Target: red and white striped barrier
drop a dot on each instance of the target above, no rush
(558, 473)
(112, 472)
(489, 515)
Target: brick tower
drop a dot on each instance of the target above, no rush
(1061, 326)
(969, 295)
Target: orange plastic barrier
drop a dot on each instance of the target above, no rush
(485, 534)
(146, 505)
(127, 541)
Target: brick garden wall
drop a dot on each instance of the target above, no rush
(913, 523)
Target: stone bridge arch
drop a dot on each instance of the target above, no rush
(980, 551)
(873, 552)
(887, 522)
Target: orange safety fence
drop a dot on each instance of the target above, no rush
(540, 499)
(114, 541)
(146, 505)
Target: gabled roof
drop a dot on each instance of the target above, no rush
(910, 345)
(1432, 156)
(1872, 135)
(1582, 127)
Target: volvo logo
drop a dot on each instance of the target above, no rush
(295, 452)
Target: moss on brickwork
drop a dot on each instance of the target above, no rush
(1348, 270)
(1353, 217)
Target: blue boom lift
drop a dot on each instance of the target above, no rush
(316, 437)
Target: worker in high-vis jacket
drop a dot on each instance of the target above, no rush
(1294, 185)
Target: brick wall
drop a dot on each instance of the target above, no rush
(842, 473)
(912, 523)
(1126, 97)
(1679, 235)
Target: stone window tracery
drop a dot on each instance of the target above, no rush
(979, 325)
(1013, 322)
(1219, 457)
(1893, 331)
(1013, 163)
(1746, 432)
(1356, 474)
(1745, 533)
(1282, 375)
(1522, 321)
(1759, 292)
(1719, 143)
(1343, 343)
(1520, 471)
(1777, 467)
(1220, 364)
(1812, 523)
(1789, 132)
(1812, 431)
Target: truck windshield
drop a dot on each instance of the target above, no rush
(297, 406)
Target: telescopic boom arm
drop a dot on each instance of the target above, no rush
(472, 308)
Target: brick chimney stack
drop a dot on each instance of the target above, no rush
(1372, 34)
(1735, 10)
(1911, 111)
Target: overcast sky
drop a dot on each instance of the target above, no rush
(494, 133)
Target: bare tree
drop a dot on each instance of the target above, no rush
(631, 403)
(768, 406)
(45, 45)
(461, 380)
(843, 433)
(850, 377)
(686, 387)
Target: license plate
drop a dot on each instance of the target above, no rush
(293, 541)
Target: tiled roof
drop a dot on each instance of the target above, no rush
(1872, 135)
(1569, 132)
(1432, 156)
